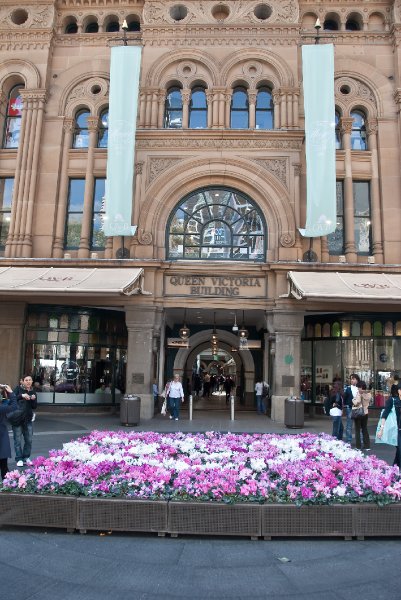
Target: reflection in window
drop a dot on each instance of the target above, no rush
(12, 124)
(264, 109)
(336, 239)
(362, 217)
(216, 224)
(198, 109)
(337, 131)
(103, 134)
(239, 109)
(81, 133)
(75, 209)
(358, 133)
(98, 240)
(6, 197)
(173, 109)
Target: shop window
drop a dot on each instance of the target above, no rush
(103, 134)
(98, 239)
(318, 330)
(264, 109)
(6, 198)
(198, 109)
(81, 132)
(326, 330)
(355, 329)
(377, 329)
(358, 133)
(335, 240)
(173, 109)
(216, 224)
(13, 120)
(309, 330)
(337, 130)
(336, 330)
(362, 217)
(239, 109)
(75, 211)
(398, 328)
(367, 329)
(388, 329)
(346, 328)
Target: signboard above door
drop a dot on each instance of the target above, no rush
(227, 286)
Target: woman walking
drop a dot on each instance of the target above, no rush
(393, 400)
(176, 394)
(6, 407)
(362, 401)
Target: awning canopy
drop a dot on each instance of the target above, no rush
(345, 286)
(70, 281)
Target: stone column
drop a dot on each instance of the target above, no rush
(148, 108)
(209, 101)
(58, 243)
(142, 109)
(377, 241)
(276, 102)
(227, 99)
(136, 201)
(295, 108)
(87, 217)
(252, 109)
(186, 97)
(141, 325)
(289, 109)
(222, 109)
(161, 101)
(288, 325)
(12, 321)
(349, 233)
(297, 207)
(283, 109)
(154, 110)
(215, 109)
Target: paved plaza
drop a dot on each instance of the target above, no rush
(54, 565)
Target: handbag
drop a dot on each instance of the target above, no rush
(357, 413)
(163, 410)
(390, 430)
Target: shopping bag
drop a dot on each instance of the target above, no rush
(164, 407)
(390, 430)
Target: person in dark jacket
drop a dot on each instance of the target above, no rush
(336, 410)
(6, 407)
(349, 394)
(26, 397)
(394, 399)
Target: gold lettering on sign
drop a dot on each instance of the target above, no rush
(219, 285)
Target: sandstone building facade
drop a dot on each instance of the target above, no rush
(219, 197)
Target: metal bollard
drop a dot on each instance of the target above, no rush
(232, 406)
(191, 406)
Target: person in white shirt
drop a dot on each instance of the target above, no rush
(260, 403)
(175, 395)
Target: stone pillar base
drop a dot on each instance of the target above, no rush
(277, 414)
(147, 406)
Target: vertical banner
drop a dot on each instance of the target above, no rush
(123, 105)
(318, 85)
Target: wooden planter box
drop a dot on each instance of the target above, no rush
(286, 520)
(121, 515)
(372, 520)
(31, 510)
(214, 518)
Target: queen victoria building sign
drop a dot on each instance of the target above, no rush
(229, 286)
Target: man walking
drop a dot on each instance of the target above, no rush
(349, 394)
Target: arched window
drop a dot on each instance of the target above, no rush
(358, 133)
(134, 26)
(113, 25)
(264, 109)
(198, 109)
(330, 24)
(71, 28)
(173, 109)
(12, 125)
(337, 130)
(216, 224)
(103, 134)
(81, 133)
(92, 27)
(239, 109)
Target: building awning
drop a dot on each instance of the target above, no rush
(345, 286)
(70, 281)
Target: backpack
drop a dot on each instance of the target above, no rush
(265, 390)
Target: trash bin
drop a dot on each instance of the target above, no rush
(294, 412)
(130, 410)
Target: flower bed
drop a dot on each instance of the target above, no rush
(302, 469)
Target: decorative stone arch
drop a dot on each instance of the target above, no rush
(308, 17)
(201, 340)
(373, 79)
(20, 69)
(377, 13)
(158, 73)
(279, 68)
(97, 70)
(246, 176)
(190, 359)
(354, 11)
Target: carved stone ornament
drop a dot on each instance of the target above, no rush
(157, 166)
(397, 11)
(94, 88)
(219, 144)
(287, 240)
(145, 238)
(276, 166)
(158, 12)
(349, 89)
(38, 17)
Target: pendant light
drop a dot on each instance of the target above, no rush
(235, 326)
(242, 332)
(184, 332)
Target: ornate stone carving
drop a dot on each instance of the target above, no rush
(277, 166)
(157, 12)
(145, 238)
(38, 17)
(206, 144)
(371, 126)
(353, 89)
(397, 11)
(94, 88)
(157, 166)
(287, 240)
(364, 92)
(346, 124)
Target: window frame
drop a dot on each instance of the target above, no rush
(339, 231)
(169, 110)
(73, 212)
(264, 110)
(7, 210)
(361, 137)
(78, 130)
(236, 111)
(103, 131)
(359, 218)
(97, 213)
(12, 118)
(197, 110)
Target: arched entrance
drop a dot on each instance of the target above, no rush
(199, 344)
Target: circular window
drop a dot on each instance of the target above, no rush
(345, 89)
(220, 12)
(178, 12)
(96, 89)
(19, 17)
(262, 12)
